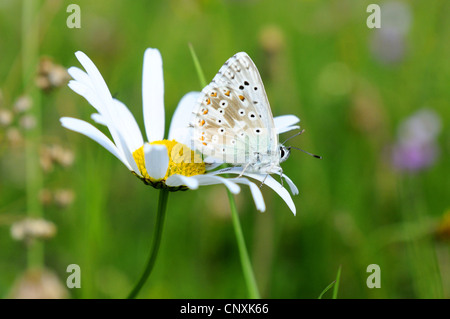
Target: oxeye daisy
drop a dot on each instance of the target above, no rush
(167, 164)
(161, 163)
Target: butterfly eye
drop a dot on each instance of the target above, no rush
(241, 87)
(233, 141)
(246, 83)
(221, 111)
(221, 130)
(257, 131)
(219, 121)
(255, 88)
(223, 103)
(241, 112)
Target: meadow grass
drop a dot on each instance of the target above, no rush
(316, 62)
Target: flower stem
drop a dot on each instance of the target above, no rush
(30, 36)
(247, 269)
(243, 254)
(156, 240)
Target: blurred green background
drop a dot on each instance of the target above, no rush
(350, 85)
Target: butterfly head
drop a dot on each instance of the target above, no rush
(284, 153)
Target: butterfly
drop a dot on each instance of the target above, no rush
(232, 120)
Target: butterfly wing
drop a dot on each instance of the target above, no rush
(232, 119)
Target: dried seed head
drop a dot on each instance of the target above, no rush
(46, 160)
(55, 154)
(38, 284)
(51, 75)
(66, 158)
(27, 122)
(62, 156)
(64, 197)
(22, 104)
(6, 117)
(14, 137)
(29, 229)
(271, 39)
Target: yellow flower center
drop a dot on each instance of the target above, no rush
(182, 161)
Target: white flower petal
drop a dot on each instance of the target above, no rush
(153, 95)
(86, 92)
(156, 160)
(129, 127)
(92, 132)
(286, 129)
(98, 83)
(179, 127)
(213, 180)
(285, 121)
(268, 180)
(294, 189)
(178, 180)
(79, 75)
(94, 75)
(93, 88)
(256, 193)
(127, 153)
(99, 119)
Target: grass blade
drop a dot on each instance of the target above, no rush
(336, 286)
(326, 289)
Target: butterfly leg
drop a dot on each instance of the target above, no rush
(262, 183)
(270, 169)
(281, 179)
(245, 168)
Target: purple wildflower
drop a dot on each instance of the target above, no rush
(416, 147)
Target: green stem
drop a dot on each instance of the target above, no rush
(243, 254)
(156, 240)
(30, 35)
(198, 67)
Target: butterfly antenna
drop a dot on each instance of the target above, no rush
(299, 133)
(299, 149)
